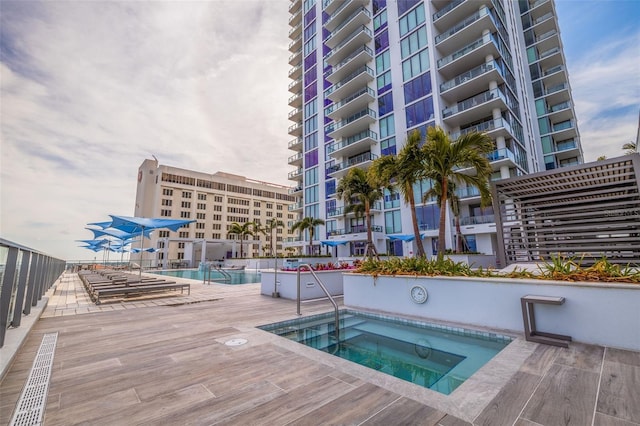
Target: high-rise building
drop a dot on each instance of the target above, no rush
(214, 201)
(366, 73)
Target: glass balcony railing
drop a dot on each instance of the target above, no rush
(294, 190)
(554, 70)
(559, 107)
(295, 126)
(482, 12)
(347, 39)
(350, 57)
(347, 79)
(475, 72)
(468, 48)
(295, 142)
(549, 52)
(334, 107)
(468, 192)
(543, 18)
(472, 102)
(566, 145)
(446, 9)
(358, 159)
(295, 173)
(556, 88)
(354, 230)
(347, 20)
(501, 154)
(477, 220)
(296, 206)
(295, 157)
(332, 127)
(351, 140)
(563, 126)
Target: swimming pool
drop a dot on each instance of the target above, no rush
(437, 357)
(235, 277)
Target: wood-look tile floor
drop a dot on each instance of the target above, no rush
(169, 365)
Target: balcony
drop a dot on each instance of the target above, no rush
(296, 18)
(501, 157)
(295, 101)
(294, 207)
(295, 5)
(296, 159)
(467, 192)
(353, 124)
(350, 84)
(362, 160)
(358, 58)
(475, 52)
(353, 144)
(295, 115)
(354, 230)
(351, 104)
(339, 11)
(295, 190)
(358, 18)
(361, 35)
(472, 81)
(296, 44)
(295, 144)
(477, 220)
(296, 71)
(474, 108)
(471, 27)
(295, 175)
(295, 86)
(560, 112)
(557, 94)
(566, 145)
(295, 31)
(296, 129)
(493, 128)
(339, 211)
(296, 57)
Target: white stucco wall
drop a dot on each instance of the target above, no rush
(607, 315)
(309, 288)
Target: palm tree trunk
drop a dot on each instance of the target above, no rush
(311, 240)
(443, 219)
(414, 220)
(371, 249)
(459, 247)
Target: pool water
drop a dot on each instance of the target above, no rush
(430, 355)
(236, 277)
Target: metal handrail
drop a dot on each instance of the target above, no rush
(225, 274)
(335, 305)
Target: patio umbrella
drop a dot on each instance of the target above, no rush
(146, 224)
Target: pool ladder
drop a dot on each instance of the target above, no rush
(207, 267)
(333, 302)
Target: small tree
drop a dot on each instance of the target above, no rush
(355, 185)
(445, 159)
(242, 231)
(630, 148)
(307, 223)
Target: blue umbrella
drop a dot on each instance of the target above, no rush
(144, 225)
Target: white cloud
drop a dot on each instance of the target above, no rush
(91, 89)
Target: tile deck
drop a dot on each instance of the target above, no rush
(164, 361)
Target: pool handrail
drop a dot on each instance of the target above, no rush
(333, 302)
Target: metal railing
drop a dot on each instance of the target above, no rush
(26, 275)
(333, 302)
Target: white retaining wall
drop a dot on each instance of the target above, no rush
(309, 288)
(603, 314)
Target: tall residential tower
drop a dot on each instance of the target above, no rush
(365, 73)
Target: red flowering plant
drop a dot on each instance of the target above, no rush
(330, 266)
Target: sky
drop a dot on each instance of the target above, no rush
(90, 89)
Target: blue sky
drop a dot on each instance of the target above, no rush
(89, 89)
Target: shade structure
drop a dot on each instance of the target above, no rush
(117, 233)
(102, 225)
(333, 243)
(402, 237)
(148, 250)
(143, 225)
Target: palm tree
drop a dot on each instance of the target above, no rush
(403, 171)
(355, 185)
(242, 231)
(308, 223)
(630, 148)
(272, 224)
(445, 158)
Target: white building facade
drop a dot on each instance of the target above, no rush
(366, 73)
(215, 201)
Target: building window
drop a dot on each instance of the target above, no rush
(417, 88)
(269, 205)
(217, 199)
(186, 194)
(217, 208)
(183, 234)
(202, 206)
(387, 126)
(256, 204)
(414, 42)
(384, 82)
(388, 146)
(180, 256)
(163, 234)
(167, 202)
(392, 222)
(165, 213)
(415, 65)
(186, 205)
(411, 19)
(167, 191)
(380, 21)
(202, 197)
(419, 112)
(200, 216)
(199, 234)
(217, 217)
(185, 215)
(200, 225)
(385, 103)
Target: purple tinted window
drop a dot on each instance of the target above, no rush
(325, 17)
(310, 60)
(390, 150)
(311, 159)
(330, 189)
(327, 102)
(419, 112)
(382, 41)
(310, 92)
(327, 120)
(309, 32)
(379, 4)
(417, 88)
(404, 5)
(326, 84)
(310, 16)
(310, 75)
(385, 104)
(325, 33)
(325, 50)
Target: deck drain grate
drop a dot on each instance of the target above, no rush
(30, 407)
